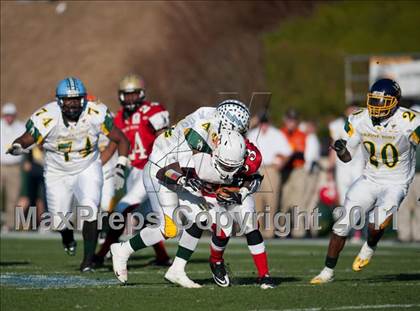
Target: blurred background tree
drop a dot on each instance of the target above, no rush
(304, 57)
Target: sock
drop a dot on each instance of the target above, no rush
(330, 262)
(366, 251)
(126, 248)
(327, 271)
(160, 251)
(90, 238)
(67, 236)
(147, 236)
(217, 248)
(179, 264)
(257, 248)
(186, 246)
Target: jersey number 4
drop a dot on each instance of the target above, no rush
(388, 153)
(138, 148)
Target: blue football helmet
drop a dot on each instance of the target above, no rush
(71, 97)
(383, 99)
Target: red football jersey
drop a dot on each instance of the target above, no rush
(140, 129)
(253, 158)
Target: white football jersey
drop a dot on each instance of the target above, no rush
(196, 131)
(70, 147)
(389, 148)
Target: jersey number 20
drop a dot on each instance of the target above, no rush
(389, 154)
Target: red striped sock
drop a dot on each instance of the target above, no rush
(260, 261)
(216, 255)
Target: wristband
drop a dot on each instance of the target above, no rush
(122, 160)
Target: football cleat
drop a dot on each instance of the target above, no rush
(87, 267)
(363, 258)
(266, 282)
(119, 263)
(359, 263)
(70, 248)
(220, 275)
(180, 278)
(326, 276)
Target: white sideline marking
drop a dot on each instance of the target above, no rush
(361, 307)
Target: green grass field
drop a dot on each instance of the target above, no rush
(36, 274)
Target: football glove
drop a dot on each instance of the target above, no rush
(194, 183)
(226, 197)
(255, 183)
(119, 172)
(340, 146)
(15, 149)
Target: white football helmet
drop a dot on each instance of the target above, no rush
(233, 115)
(229, 155)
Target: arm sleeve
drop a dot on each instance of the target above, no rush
(352, 136)
(107, 123)
(415, 136)
(196, 142)
(40, 124)
(159, 120)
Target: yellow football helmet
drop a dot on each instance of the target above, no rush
(383, 99)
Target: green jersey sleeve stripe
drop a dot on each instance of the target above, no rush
(196, 142)
(31, 129)
(108, 124)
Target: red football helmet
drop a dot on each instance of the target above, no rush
(328, 195)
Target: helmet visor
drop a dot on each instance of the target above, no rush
(229, 168)
(380, 106)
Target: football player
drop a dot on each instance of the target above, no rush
(68, 129)
(345, 173)
(191, 141)
(141, 121)
(390, 135)
(233, 197)
(169, 187)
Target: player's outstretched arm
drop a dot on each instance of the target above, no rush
(21, 143)
(341, 150)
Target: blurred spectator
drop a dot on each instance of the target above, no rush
(345, 173)
(275, 151)
(409, 212)
(32, 184)
(293, 192)
(312, 156)
(10, 165)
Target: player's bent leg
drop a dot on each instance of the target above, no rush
(186, 247)
(59, 195)
(368, 249)
(257, 249)
(334, 248)
(379, 219)
(88, 190)
(219, 240)
(359, 199)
